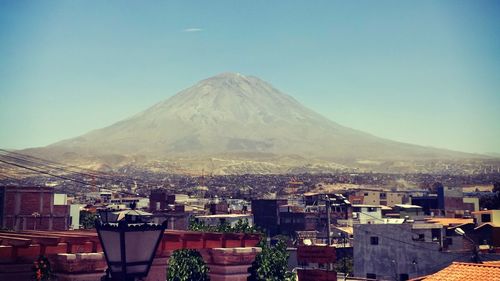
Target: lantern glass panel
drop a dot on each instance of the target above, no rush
(140, 245)
(111, 245)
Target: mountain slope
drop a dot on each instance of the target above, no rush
(233, 114)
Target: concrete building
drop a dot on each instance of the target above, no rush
(408, 211)
(451, 202)
(487, 232)
(429, 203)
(160, 199)
(447, 201)
(293, 219)
(266, 214)
(377, 197)
(74, 214)
(400, 251)
(29, 208)
(367, 214)
(139, 202)
(487, 216)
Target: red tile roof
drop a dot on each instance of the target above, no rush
(459, 271)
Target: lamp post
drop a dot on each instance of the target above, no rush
(461, 232)
(129, 248)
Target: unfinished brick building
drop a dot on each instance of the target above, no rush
(31, 208)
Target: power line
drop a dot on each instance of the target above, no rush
(29, 162)
(48, 161)
(43, 172)
(397, 240)
(71, 169)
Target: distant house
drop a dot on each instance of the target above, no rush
(377, 197)
(33, 208)
(408, 211)
(367, 214)
(266, 214)
(487, 232)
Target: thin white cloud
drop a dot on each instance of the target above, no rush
(192, 29)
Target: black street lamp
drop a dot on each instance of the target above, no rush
(475, 257)
(129, 248)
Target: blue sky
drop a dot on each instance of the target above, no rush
(423, 72)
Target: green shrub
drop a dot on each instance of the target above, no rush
(271, 264)
(187, 265)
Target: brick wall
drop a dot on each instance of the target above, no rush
(22, 202)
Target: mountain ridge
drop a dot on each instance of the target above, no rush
(234, 114)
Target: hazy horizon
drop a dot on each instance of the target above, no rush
(424, 72)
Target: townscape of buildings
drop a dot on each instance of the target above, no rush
(393, 232)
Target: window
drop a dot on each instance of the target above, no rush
(404, 277)
(366, 193)
(374, 240)
(383, 195)
(436, 234)
(371, 276)
(486, 218)
(372, 209)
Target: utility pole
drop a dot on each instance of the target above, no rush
(328, 226)
(328, 222)
(344, 265)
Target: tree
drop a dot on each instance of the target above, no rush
(491, 201)
(271, 264)
(496, 187)
(87, 219)
(187, 265)
(241, 226)
(344, 265)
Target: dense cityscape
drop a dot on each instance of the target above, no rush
(355, 214)
(249, 140)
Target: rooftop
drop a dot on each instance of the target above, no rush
(486, 224)
(367, 206)
(466, 271)
(485, 212)
(408, 206)
(450, 221)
